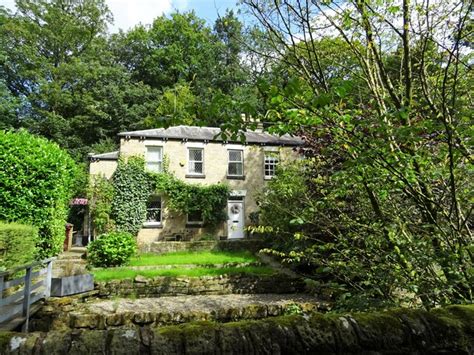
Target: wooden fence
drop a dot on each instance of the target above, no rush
(19, 294)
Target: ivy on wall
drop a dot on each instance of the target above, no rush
(123, 202)
(100, 193)
(186, 198)
(131, 190)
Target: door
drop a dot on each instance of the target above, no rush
(235, 223)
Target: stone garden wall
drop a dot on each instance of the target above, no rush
(206, 285)
(446, 331)
(251, 245)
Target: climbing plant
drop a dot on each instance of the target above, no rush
(100, 192)
(186, 198)
(132, 188)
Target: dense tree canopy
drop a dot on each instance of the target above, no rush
(64, 77)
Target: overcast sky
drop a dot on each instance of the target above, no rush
(128, 13)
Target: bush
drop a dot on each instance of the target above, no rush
(36, 183)
(112, 249)
(17, 244)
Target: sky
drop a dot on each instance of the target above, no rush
(128, 13)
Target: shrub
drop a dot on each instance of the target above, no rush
(111, 249)
(17, 244)
(36, 182)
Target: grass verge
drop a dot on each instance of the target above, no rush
(124, 273)
(198, 258)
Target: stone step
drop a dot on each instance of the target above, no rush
(163, 311)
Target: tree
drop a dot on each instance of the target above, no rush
(58, 65)
(397, 148)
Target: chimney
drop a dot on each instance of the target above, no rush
(259, 128)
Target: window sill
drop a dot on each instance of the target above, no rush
(235, 177)
(195, 176)
(152, 225)
(195, 225)
(268, 178)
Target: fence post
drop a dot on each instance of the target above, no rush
(47, 281)
(26, 298)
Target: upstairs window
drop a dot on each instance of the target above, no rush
(154, 159)
(196, 161)
(153, 211)
(236, 163)
(270, 163)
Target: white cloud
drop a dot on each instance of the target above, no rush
(130, 13)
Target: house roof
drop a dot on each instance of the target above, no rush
(193, 133)
(104, 156)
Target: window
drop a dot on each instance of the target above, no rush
(196, 161)
(195, 217)
(154, 159)
(153, 211)
(270, 163)
(236, 163)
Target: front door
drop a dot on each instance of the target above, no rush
(235, 223)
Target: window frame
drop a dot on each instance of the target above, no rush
(154, 223)
(268, 154)
(194, 223)
(189, 173)
(158, 162)
(241, 150)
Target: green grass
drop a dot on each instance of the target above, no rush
(124, 273)
(198, 258)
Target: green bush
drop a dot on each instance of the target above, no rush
(112, 249)
(36, 182)
(17, 244)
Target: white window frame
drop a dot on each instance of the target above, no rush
(155, 223)
(235, 161)
(158, 162)
(190, 148)
(274, 155)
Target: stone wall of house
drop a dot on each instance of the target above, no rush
(104, 168)
(404, 331)
(215, 171)
(206, 285)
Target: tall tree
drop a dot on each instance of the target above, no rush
(398, 147)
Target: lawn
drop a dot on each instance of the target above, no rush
(124, 273)
(203, 258)
(196, 258)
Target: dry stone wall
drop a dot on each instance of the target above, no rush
(206, 285)
(447, 331)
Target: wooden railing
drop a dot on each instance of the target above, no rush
(18, 294)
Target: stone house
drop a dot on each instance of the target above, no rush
(200, 155)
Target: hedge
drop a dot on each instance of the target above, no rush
(36, 182)
(17, 244)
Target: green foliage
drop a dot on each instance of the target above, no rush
(17, 244)
(101, 194)
(186, 198)
(36, 182)
(132, 189)
(111, 249)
